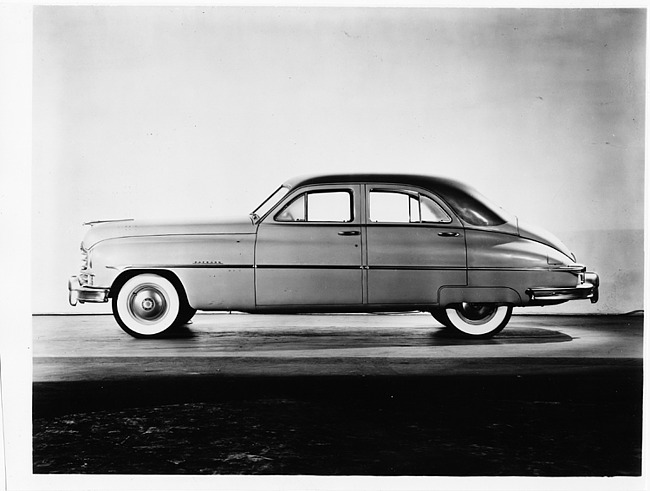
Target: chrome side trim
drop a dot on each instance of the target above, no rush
(207, 265)
(216, 264)
(570, 269)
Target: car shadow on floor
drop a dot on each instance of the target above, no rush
(297, 339)
(446, 337)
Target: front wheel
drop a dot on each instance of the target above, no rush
(147, 305)
(478, 320)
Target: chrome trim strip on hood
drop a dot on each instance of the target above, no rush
(95, 222)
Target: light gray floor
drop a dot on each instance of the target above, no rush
(92, 347)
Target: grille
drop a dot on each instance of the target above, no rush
(84, 260)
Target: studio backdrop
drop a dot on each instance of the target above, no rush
(177, 112)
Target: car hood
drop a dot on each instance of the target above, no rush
(116, 229)
(539, 234)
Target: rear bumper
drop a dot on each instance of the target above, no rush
(84, 293)
(546, 295)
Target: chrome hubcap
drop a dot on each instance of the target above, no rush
(476, 313)
(147, 303)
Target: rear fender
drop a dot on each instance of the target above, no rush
(500, 295)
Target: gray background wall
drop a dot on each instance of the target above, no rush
(202, 112)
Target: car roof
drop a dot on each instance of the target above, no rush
(466, 201)
(432, 183)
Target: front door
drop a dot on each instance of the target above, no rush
(309, 250)
(415, 246)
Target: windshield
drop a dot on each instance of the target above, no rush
(269, 203)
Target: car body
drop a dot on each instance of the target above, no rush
(334, 243)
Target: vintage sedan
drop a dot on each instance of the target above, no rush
(334, 243)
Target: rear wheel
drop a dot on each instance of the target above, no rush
(478, 320)
(147, 305)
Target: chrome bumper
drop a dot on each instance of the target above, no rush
(588, 290)
(84, 293)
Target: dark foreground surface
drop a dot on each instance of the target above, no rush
(339, 395)
(586, 425)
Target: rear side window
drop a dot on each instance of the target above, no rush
(404, 207)
(320, 206)
(476, 209)
(387, 207)
(432, 212)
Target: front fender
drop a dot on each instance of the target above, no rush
(175, 251)
(215, 270)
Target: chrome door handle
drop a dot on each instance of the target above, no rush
(349, 232)
(449, 234)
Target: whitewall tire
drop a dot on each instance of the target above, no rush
(478, 320)
(147, 305)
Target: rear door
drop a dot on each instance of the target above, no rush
(308, 251)
(415, 246)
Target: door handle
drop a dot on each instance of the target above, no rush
(449, 234)
(349, 232)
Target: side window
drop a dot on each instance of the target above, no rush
(335, 206)
(432, 211)
(392, 207)
(405, 207)
(319, 206)
(294, 211)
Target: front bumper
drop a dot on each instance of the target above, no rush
(549, 296)
(84, 293)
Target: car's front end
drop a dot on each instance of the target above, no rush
(84, 287)
(92, 284)
(157, 274)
